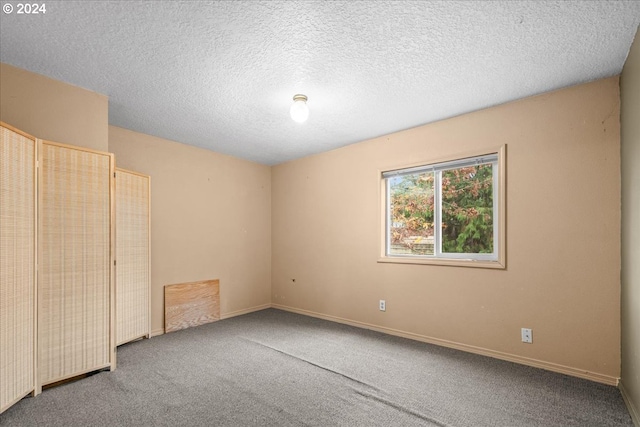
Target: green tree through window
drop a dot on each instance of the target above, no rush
(442, 209)
(467, 210)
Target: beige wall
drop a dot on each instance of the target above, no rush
(53, 110)
(213, 216)
(630, 117)
(210, 219)
(563, 236)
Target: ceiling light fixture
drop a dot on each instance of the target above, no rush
(299, 110)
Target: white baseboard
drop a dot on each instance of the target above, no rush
(567, 370)
(633, 410)
(244, 311)
(156, 332)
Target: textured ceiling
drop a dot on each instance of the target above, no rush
(221, 75)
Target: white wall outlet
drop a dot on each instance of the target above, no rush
(383, 305)
(527, 335)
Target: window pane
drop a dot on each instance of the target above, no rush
(411, 211)
(467, 210)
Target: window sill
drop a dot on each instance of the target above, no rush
(445, 261)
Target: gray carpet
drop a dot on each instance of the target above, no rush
(273, 368)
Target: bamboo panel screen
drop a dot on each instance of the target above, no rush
(17, 266)
(132, 257)
(74, 282)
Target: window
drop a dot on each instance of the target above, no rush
(451, 212)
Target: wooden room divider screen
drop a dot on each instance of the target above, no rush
(57, 247)
(133, 279)
(75, 275)
(17, 264)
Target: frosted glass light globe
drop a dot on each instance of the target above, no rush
(299, 110)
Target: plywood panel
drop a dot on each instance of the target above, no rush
(191, 304)
(17, 265)
(74, 281)
(132, 256)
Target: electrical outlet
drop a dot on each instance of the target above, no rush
(383, 305)
(527, 335)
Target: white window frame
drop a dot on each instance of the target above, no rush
(497, 259)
